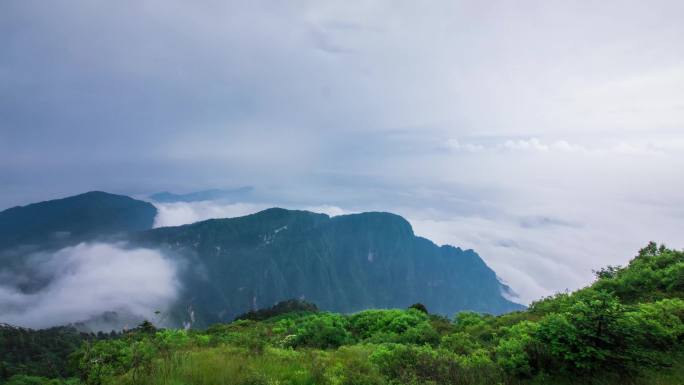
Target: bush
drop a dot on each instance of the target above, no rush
(21, 379)
(460, 343)
(321, 330)
(406, 364)
(598, 333)
(420, 307)
(512, 350)
(355, 367)
(283, 307)
(401, 326)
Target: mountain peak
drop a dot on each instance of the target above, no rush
(74, 219)
(377, 219)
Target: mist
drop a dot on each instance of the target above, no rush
(182, 213)
(86, 281)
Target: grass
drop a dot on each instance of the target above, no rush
(349, 365)
(229, 365)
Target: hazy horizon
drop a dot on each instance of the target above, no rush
(548, 137)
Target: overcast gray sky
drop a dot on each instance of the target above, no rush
(546, 135)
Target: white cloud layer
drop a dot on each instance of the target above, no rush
(85, 281)
(181, 213)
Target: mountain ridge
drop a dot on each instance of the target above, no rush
(344, 263)
(203, 195)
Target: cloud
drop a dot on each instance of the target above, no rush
(84, 282)
(534, 144)
(542, 221)
(456, 145)
(330, 210)
(636, 149)
(181, 213)
(531, 144)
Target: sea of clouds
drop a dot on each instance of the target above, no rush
(85, 282)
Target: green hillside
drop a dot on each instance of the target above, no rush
(345, 263)
(626, 328)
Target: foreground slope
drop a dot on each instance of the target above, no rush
(625, 329)
(345, 263)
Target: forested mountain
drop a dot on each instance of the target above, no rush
(345, 263)
(74, 219)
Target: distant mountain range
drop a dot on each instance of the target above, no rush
(229, 266)
(238, 194)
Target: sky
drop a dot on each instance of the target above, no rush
(546, 135)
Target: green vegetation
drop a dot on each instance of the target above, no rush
(626, 328)
(30, 356)
(289, 306)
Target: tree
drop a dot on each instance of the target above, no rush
(420, 307)
(147, 327)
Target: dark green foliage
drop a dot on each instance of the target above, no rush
(460, 343)
(630, 318)
(37, 380)
(322, 330)
(146, 327)
(592, 334)
(656, 273)
(283, 307)
(38, 352)
(410, 327)
(420, 307)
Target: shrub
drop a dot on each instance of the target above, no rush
(460, 343)
(420, 307)
(21, 379)
(322, 330)
(403, 326)
(407, 364)
(512, 350)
